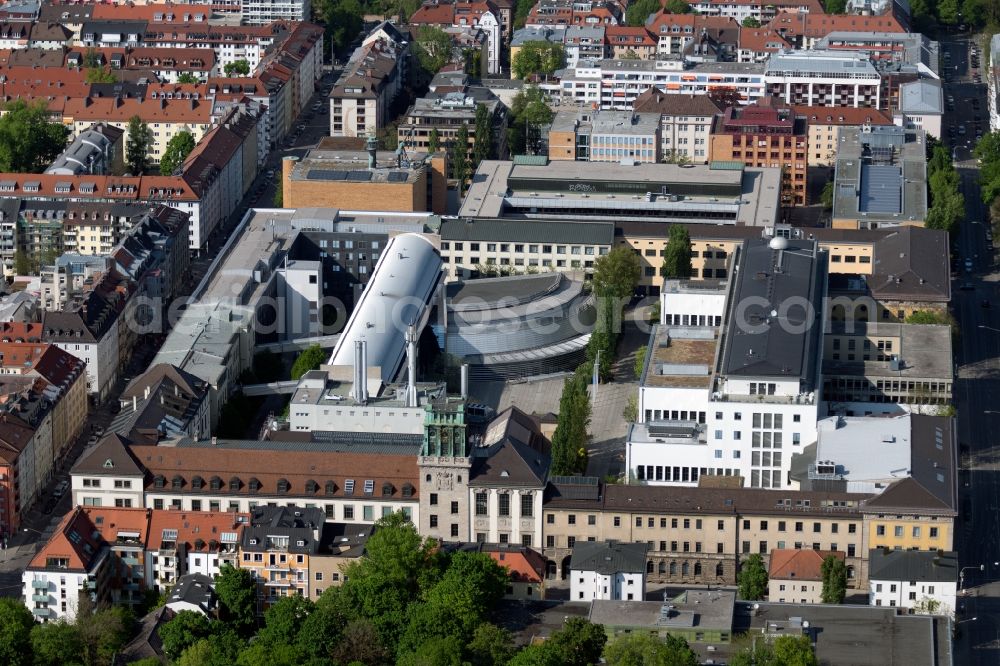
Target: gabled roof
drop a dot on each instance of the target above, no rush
(120, 526)
(512, 453)
(523, 564)
(912, 264)
(654, 100)
(110, 456)
(912, 565)
(76, 542)
(195, 530)
(609, 557)
(160, 372)
(799, 564)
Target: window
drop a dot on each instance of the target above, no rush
(434, 520)
(481, 503)
(527, 505)
(434, 499)
(454, 530)
(898, 531)
(504, 504)
(617, 521)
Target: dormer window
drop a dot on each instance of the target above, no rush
(331, 487)
(282, 486)
(197, 483)
(159, 481)
(387, 490)
(254, 485)
(215, 483)
(108, 464)
(234, 484)
(177, 482)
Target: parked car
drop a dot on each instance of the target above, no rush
(60, 489)
(967, 286)
(968, 265)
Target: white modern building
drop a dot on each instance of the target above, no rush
(824, 78)
(731, 385)
(922, 582)
(921, 106)
(615, 84)
(608, 571)
(262, 12)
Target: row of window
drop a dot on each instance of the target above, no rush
(519, 248)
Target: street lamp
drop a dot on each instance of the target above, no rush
(989, 328)
(961, 576)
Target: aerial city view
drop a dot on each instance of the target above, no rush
(499, 332)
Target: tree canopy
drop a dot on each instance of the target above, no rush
(750, 22)
(529, 114)
(178, 148)
(752, 578)
(237, 593)
(310, 359)
(433, 48)
(638, 649)
(616, 273)
(639, 11)
(834, 580)
(29, 141)
(538, 58)
(677, 253)
(237, 68)
(782, 651)
(570, 437)
(137, 145)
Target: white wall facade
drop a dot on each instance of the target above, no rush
(101, 358)
(53, 595)
(589, 585)
(911, 594)
(691, 308)
(516, 526)
(94, 490)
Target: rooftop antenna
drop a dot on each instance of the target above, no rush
(779, 244)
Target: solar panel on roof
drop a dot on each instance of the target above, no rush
(359, 176)
(398, 177)
(326, 174)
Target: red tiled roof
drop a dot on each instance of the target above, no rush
(842, 115)
(194, 525)
(17, 331)
(804, 564)
(110, 109)
(74, 540)
(821, 25)
(111, 521)
(762, 40)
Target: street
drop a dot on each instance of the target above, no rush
(977, 384)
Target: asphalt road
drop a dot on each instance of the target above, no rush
(977, 388)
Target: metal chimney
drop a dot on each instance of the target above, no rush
(360, 388)
(465, 381)
(411, 362)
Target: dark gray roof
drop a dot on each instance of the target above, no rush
(114, 27)
(196, 589)
(859, 635)
(912, 263)
(609, 557)
(513, 453)
(111, 456)
(529, 231)
(912, 565)
(331, 442)
(301, 525)
(760, 343)
(345, 539)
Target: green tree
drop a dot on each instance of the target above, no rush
(752, 578)
(677, 254)
(137, 146)
(178, 148)
(434, 141)
(491, 646)
(538, 58)
(237, 594)
(28, 140)
(183, 631)
(826, 196)
(56, 644)
(638, 649)
(380, 586)
(579, 642)
(834, 580)
(570, 435)
(794, 651)
(237, 68)
(91, 58)
(975, 12)
(324, 628)
(361, 644)
(99, 75)
(631, 410)
(278, 200)
(22, 263)
(616, 273)
(483, 138)
(928, 317)
(147, 661)
(343, 20)
(283, 621)
(15, 633)
(310, 359)
(835, 6)
(103, 633)
(222, 649)
(638, 12)
(750, 22)
(433, 48)
(435, 651)
(188, 77)
(460, 156)
(677, 7)
(528, 111)
(948, 11)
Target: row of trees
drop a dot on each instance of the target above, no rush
(528, 113)
(615, 276)
(947, 204)
(640, 10)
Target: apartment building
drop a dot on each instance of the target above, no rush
(584, 42)
(162, 403)
(482, 15)
(763, 11)
(605, 136)
(369, 82)
(674, 32)
(339, 545)
(608, 571)
(759, 44)
(184, 543)
(796, 576)
(277, 547)
(561, 13)
(256, 12)
(615, 84)
(804, 32)
(125, 531)
(630, 42)
(699, 535)
(75, 561)
(824, 78)
(685, 123)
(825, 125)
(765, 135)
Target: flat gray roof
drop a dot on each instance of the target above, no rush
(694, 609)
(821, 63)
(924, 350)
(775, 334)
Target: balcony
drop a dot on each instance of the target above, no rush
(43, 612)
(278, 583)
(40, 584)
(44, 598)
